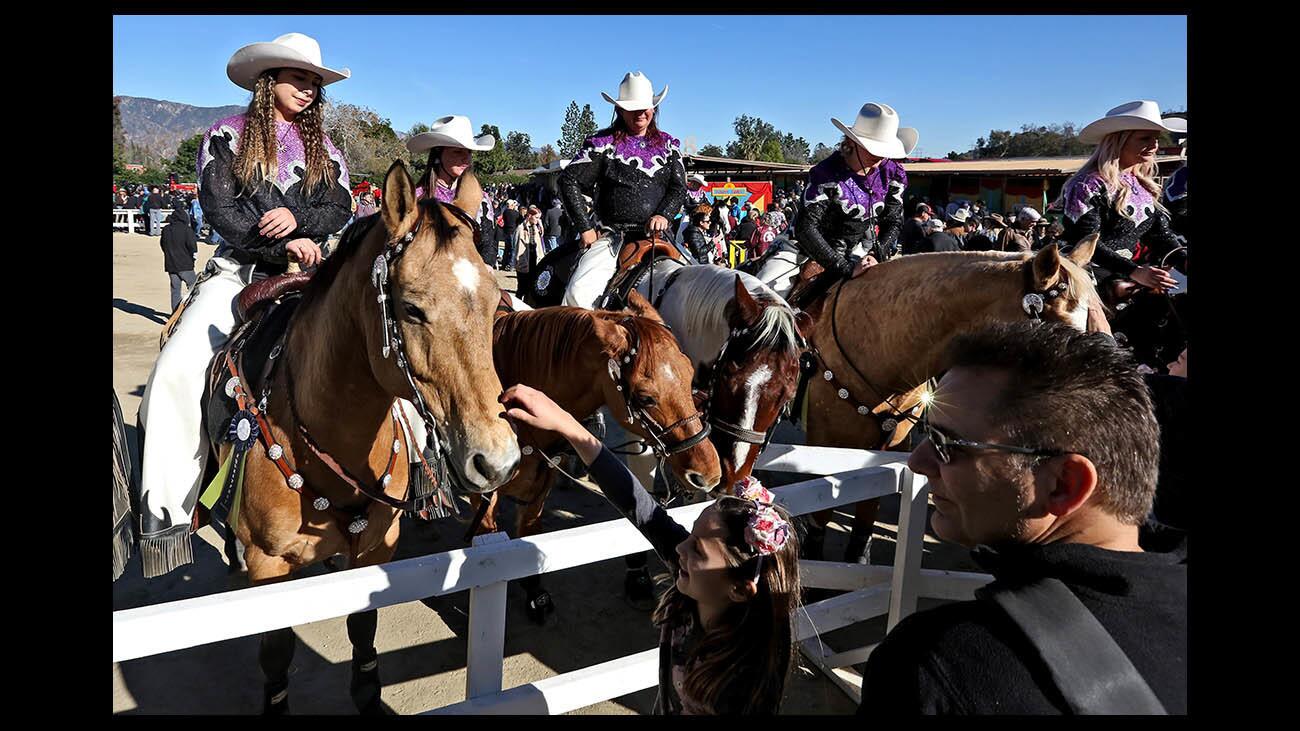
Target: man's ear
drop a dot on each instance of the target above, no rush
(1073, 481)
(742, 591)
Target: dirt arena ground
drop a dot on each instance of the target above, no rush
(421, 644)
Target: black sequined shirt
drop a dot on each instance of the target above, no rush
(630, 180)
(1089, 209)
(842, 209)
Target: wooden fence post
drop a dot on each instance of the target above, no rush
(914, 492)
(485, 651)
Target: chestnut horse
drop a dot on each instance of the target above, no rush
(340, 384)
(880, 337)
(585, 359)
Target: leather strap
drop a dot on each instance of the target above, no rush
(1092, 673)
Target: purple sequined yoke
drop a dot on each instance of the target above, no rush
(636, 152)
(290, 154)
(860, 196)
(1082, 195)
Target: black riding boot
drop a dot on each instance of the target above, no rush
(365, 686)
(813, 542)
(859, 548)
(275, 698)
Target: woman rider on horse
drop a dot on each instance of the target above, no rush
(274, 187)
(451, 145)
(635, 176)
(632, 170)
(849, 195)
(1115, 195)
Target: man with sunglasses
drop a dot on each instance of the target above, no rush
(1041, 453)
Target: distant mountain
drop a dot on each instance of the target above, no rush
(159, 126)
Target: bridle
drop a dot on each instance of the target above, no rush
(735, 431)
(657, 438)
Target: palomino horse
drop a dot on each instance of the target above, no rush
(332, 419)
(880, 337)
(584, 359)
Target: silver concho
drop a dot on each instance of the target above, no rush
(828, 375)
(275, 452)
(295, 481)
(527, 450)
(889, 425)
(320, 503)
(230, 386)
(243, 429)
(843, 393)
(387, 479)
(357, 525)
(1032, 303)
(863, 410)
(397, 446)
(543, 281)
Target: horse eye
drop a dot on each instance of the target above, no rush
(414, 313)
(644, 400)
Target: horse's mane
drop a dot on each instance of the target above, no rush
(711, 298)
(352, 241)
(549, 342)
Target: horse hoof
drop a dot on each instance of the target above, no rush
(638, 589)
(365, 687)
(275, 699)
(539, 606)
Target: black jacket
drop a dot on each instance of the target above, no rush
(968, 657)
(911, 236)
(554, 221)
(629, 181)
(698, 241)
(234, 213)
(745, 230)
(1089, 209)
(510, 219)
(178, 243)
(938, 241)
(1169, 396)
(842, 209)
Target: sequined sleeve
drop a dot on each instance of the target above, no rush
(675, 195)
(218, 190)
(820, 199)
(329, 206)
(580, 178)
(891, 217)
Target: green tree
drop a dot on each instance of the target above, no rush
(186, 162)
(547, 155)
(794, 149)
(587, 122)
(519, 147)
(771, 151)
(496, 160)
(751, 134)
(571, 131)
(712, 151)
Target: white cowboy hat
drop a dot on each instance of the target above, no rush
(697, 178)
(291, 50)
(1133, 115)
(876, 129)
(1028, 214)
(453, 131)
(959, 216)
(636, 93)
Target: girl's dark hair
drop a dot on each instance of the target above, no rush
(620, 131)
(741, 665)
(257, 160)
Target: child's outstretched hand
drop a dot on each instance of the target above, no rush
(527, 405)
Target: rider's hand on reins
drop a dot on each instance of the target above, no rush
(1153, 278)
(304, 251)
(589, 237)
(656, 224)
(863, 264)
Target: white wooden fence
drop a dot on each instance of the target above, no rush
(125, 218)
(493, 560)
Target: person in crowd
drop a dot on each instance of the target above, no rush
(530, 236)
(912, 234)
(698, 237)
(366, 205)
(153, 206)
(726, 625)
(274, 187)
(1026, 224)
(555, 224)
(985, 238)
(180, 250)
(777, 219)
(1115, 195)
(511, 219)
(1050, 498)
(487, 235)
(951, 237)
(745, 230)
(849, 195)
(196, 215)
(695, 190)
(450, 144)
(764, 234)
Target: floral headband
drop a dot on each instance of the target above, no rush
(766, 531)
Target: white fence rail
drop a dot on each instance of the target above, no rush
(486, 567)
(125, 218)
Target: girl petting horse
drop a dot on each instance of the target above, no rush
(726, 642)
(627, 361)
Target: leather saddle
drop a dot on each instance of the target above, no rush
(267, 290)
(634, 261)
(813, 282)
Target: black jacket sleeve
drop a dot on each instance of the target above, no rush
(1161, 239)
(621, 489)
(698, 241)
(1090, 223)
(675, 194)
(815, 245)
(891, 222)
(325, 211)
(580, 179)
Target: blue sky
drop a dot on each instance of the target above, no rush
(952, 77)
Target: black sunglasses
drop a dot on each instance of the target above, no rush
(943, 445)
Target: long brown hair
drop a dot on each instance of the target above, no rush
(620, 130)
(256, 159)
(742, 664)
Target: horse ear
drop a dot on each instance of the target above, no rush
(804, 323)
(747, 308)
(641, 307)
(400, 210)
(469, 194)
(1082, 252)
(1047, 266)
